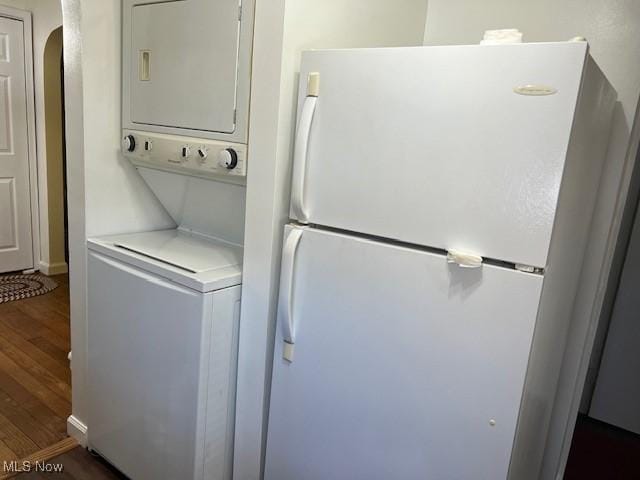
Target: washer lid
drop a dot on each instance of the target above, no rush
(202, 264)
(182, 250)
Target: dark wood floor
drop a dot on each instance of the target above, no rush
(77, 464)
(35, 379)
(602, 452)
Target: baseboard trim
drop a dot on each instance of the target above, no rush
(77, 430)
(53, 268)
(42, 456)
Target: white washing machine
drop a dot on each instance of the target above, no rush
(164, 308)
(163, 311)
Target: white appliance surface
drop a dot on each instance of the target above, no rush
(181, 250)
(405, 366)
(434, 146)
(214, 209)
(186, 67)
(188, 259)
(195, 91)
(163, 306)
(162, 365)
(391, 362)
(198, 157)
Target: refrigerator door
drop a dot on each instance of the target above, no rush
(457, 147)
(402, 365)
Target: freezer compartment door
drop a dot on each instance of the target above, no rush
(450, 147)
(392, 363)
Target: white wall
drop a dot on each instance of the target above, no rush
(612, 28)
(117, 198)
(46, 16)
(282, 30)
(54, 124)
(106, 195)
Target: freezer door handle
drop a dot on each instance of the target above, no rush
(285, 296)
(300, 158)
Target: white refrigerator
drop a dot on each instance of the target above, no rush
(441, 200)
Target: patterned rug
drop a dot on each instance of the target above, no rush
(17, 287)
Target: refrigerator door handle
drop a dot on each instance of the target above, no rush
(285, 295)
(300, 158)
(464, 259)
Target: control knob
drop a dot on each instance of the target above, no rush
(228, 158)
(129, 143)
(203, 153)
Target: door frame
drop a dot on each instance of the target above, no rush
(25, 17)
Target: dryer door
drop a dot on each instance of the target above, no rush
(183, 64)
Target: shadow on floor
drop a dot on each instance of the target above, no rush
(76, 464)
(600, 451)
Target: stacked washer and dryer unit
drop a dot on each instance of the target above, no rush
(163, 306)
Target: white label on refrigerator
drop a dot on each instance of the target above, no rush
(535, 90)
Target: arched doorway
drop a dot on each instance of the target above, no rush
(55, 152)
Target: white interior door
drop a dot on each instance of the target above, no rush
(403, 367)
(16, 250)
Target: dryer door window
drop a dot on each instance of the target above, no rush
(184, 64)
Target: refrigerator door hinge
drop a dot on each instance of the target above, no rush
(528, 268)
(287, 351)
(239, 13)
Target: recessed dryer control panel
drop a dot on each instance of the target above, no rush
(186, 67)
(190, 156)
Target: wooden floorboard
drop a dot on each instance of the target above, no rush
(13, 319)
(10, 341)
(60, 355)
(6, 453)
(21, 418)
(40, 461)
(35, 379)
(16, 439)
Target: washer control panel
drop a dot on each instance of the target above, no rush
(186, 155)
